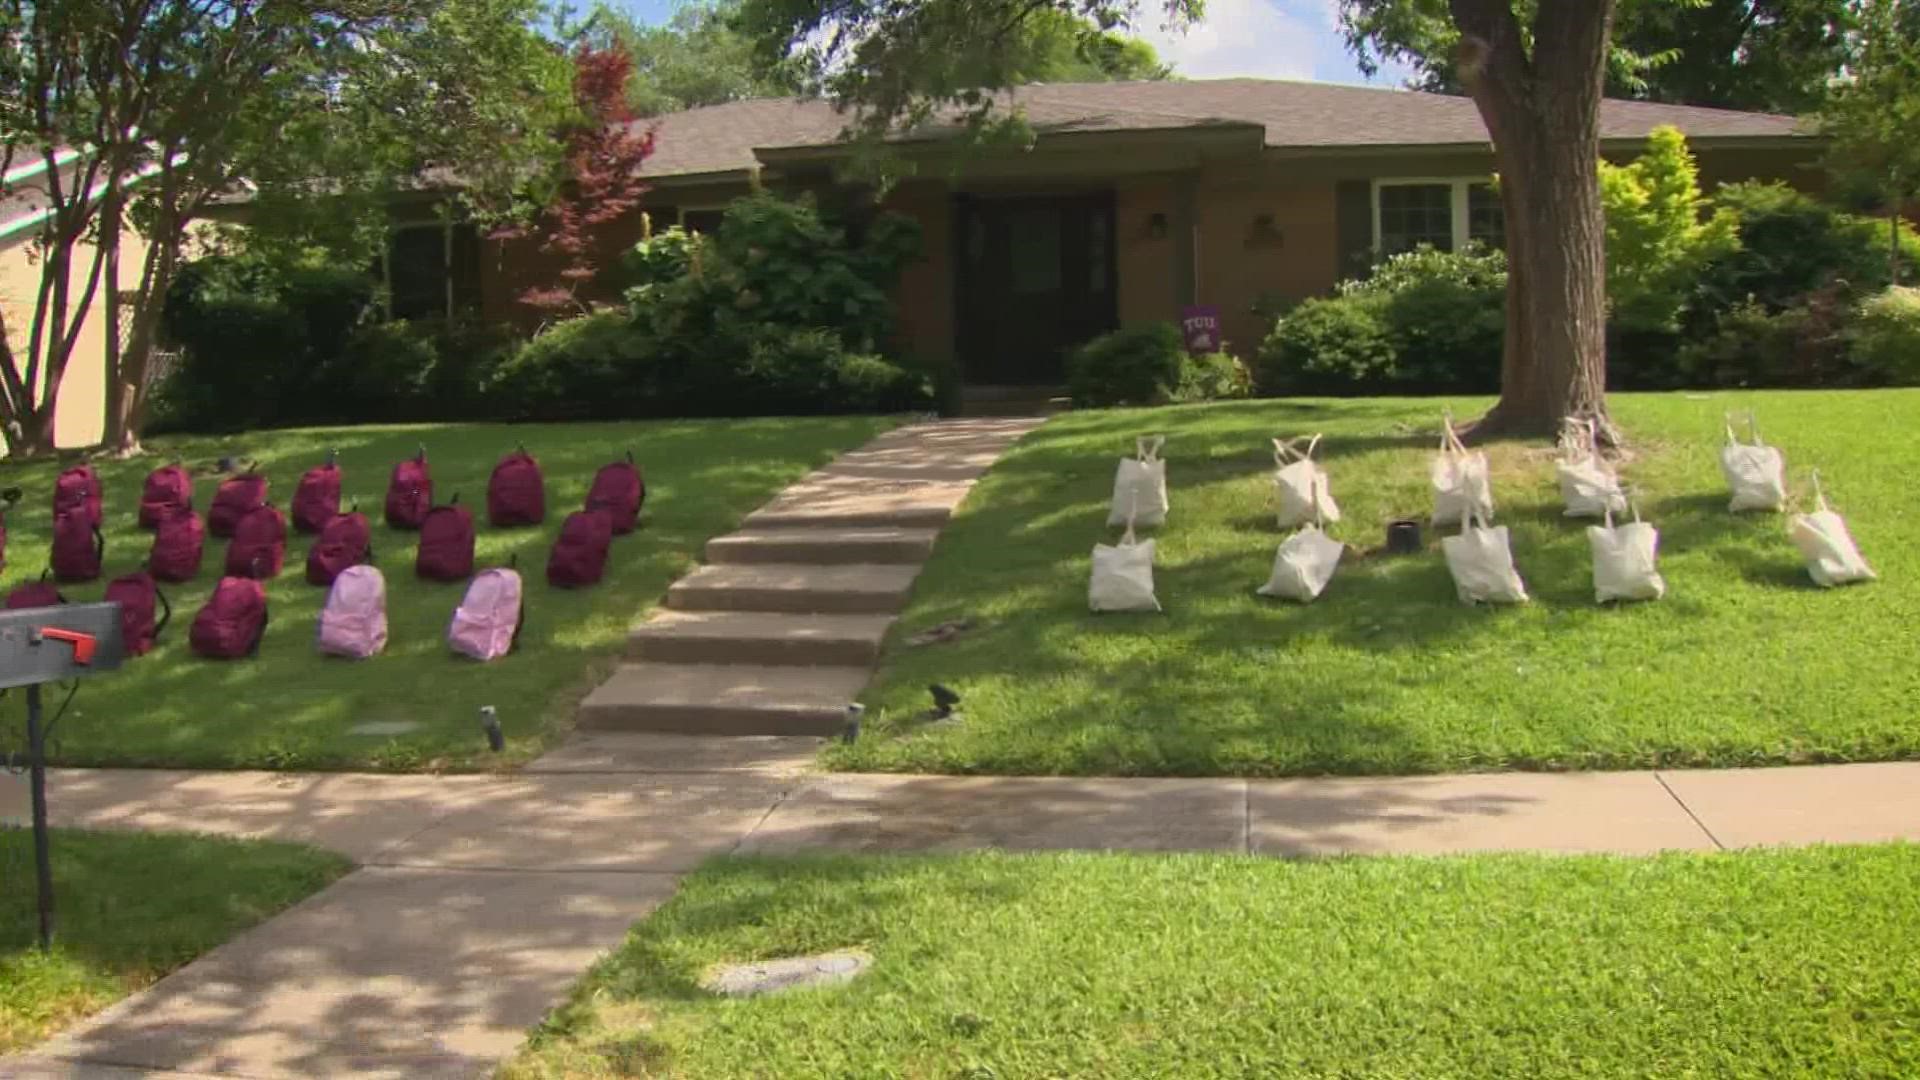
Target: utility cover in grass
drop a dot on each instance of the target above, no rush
(773, 976)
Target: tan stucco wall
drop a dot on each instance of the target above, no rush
(80, 415)
(1144, 263)
(1244, 261)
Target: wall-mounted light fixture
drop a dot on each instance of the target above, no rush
(1157, 227)
(1264, 232)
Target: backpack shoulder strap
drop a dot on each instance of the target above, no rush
(166, 611)
(253, 648)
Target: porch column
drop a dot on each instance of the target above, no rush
(1186, 240)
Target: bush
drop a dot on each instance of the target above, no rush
(1885, 337)
(592, 367)
(1327, 344)
(1137, 365)
(864, 383)
(1217, 376)
(1445, 315)
(1792, 245)
(1752, 346)
(1659, 235)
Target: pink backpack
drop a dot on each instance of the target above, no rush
(317, 498)
(580, 555)
(233, 621)
(446, 544)
(346, 541)
(235, 498)
(168, 488)
(139, 597)
(410, 492)
(78, 546)
(486, 625)
(516, 494)
(354, 621)
(33, 594)
(619, 490)
(177, 546)
(78, 488)
(259, 545)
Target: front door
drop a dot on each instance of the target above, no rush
(1036, 279)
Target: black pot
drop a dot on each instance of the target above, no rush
(1403, 537)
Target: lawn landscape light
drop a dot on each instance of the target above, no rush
(1403, 537)
(851, 733)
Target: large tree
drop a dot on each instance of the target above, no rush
(1536, 74)
(331, 103)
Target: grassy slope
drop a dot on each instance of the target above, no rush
(1744, 662)
(291, 708)
(1762, 963)
(131, 908)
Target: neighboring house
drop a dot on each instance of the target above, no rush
(80, 414)
(1137, 199)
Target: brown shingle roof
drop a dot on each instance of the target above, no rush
(723, 138)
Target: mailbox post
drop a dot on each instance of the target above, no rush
(43, 645)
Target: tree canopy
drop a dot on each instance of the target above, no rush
(1762, 55)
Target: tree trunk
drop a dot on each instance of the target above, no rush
(1543, 112)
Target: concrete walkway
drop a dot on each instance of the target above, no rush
(480, 899)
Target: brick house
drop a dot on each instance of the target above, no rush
(1134, 201)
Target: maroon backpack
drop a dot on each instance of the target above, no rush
(410, 493)
(177, 546)
(346, 541)
(516, 495)
(139, 597)
(316, 501)
(78, 488)
(42, 593)
(618, 491)
(235, 499)
(168, 488)
(77, 546)
(446, 543)
(580, 555)
(259, 544)
(233, 621)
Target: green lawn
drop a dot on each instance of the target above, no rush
(1748, 964)
(292, 708)
(1744, 663)
(131, 908)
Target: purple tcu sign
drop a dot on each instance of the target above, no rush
(1200, 326)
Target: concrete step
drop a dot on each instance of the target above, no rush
(823, 546)
(723, 699)
(788, 587)
(827, 500)
(757, 637)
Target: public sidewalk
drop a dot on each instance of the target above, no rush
(481, 898)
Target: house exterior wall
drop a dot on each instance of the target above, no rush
(1266, 231)
(80, 415)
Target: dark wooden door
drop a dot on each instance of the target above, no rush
(1036, 279)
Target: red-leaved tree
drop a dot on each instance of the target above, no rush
(604, 155)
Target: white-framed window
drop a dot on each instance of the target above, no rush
(1443, 212)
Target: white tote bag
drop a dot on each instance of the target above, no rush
(1305, 562)
(1122, 576)
(1588, 485)
(1140, 482)
(1301, 485)
(1481, 562)
(1756, 473)
(1826, 545)
(1624, 560)
(1462, 487)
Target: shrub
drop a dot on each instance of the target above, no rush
(1790, 245)
(591, 367)
(1445, 317)
(1136, 365)
(1751, 345)
(1885, 336)
(1659, 236)
(1216, 376)
(1327, 344)
(864, 383)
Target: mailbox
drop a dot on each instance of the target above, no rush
(43, 645)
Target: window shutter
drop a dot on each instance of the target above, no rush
(1353, 229)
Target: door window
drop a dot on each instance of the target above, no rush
(1035, 240)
